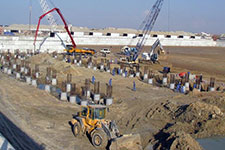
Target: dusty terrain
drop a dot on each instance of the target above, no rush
(164, 119)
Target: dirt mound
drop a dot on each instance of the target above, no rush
(176, 141)
(46, 60)
(199, 111)
(203, 118)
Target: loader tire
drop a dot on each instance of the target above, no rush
(76, 129)
(99, 139)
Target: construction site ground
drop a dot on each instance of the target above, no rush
(149, 111)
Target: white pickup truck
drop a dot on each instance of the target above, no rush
(105, 51)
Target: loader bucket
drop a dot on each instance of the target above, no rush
(127, 142)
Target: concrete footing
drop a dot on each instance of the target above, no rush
(172, 86)
(102, 67)
(145, 76)
(96, 98)
(211, 89)
(28, 80)
(108, 101)
(84, 103)
(17, 75)
(150, 81)
(124, 75)
(68, 87)
(54, 82)
(22, 69)
(14, 66)
(187, 86)
(6, 70)
(37, 75)
(34, 83)
(88, 93)
(73, 99)
(137, 74)
(63, 96)
(164, 81)
(9, 71)
(47, 88)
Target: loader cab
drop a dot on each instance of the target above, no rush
(97, 112)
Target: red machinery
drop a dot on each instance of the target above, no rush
(66, 26)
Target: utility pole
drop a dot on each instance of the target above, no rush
(30, 14)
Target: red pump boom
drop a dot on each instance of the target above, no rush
(66, 26)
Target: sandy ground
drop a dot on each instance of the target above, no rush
(45, 119)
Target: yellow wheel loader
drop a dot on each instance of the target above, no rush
(91, 120)
(103, 133)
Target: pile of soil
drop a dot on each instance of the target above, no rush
(176, 141)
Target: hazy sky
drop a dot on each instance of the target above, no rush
(184, 15)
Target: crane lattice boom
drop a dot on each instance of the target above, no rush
(149, 24)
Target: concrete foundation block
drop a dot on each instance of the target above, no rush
(145, 76)
(63, 96)
(47, 88)
(34, 82)
(84, 103)
(28, 80)
(14, 66)
(172, 86)
(97, 97)
(108, 101)
(54, 82)
(73, 99)
(137, 74)
(22, 69)
(150, 81)
(9, 71)
(68, 87)
(211, 89)
(165, 81)
(5, 70)
(37, 74)
(17, 75)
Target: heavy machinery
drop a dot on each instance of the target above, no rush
(91, 121)
(149, 22)
(154, 52)
(70, 49)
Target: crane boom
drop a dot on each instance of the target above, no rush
(61, 16)
(149, 24)
(51, 20)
